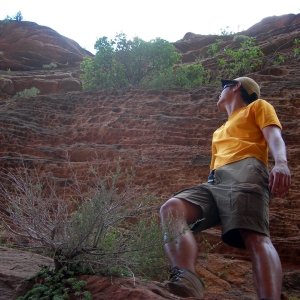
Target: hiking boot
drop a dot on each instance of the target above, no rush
(184, 283)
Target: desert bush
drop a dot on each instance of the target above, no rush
(111, 230)
(226, 31)
(122, 63)
(32, 92)
(240, 38)
(241, 61)
(188, 76)
(297, 48)
(52, 65)
(51, 284)
(213, 50)
(17, 17)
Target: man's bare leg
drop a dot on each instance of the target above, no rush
(266, 265)
(182, 254)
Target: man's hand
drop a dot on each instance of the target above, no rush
(280, 176)
(280, 180)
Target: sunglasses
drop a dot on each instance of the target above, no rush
(228, 85)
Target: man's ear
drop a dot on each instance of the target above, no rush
(237, 87)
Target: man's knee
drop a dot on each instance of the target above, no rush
(253, 238)
(172, 206)
(181, 209)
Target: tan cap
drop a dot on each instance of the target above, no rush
(248, 84)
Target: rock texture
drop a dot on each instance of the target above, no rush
(30, 48)
(15, 266)
(167, 133)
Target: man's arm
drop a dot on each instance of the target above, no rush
(280, 176)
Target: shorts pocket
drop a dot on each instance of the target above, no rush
(247, 199)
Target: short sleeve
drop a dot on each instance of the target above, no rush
(265, 114)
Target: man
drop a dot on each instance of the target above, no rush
(236, 194)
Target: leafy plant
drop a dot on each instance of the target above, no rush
(188, 76)
(17, 17)
(214, 48)
(52, 65)
(224, 272)
(53, 284)
(297, 50)
(242, 60)
(122, 63)
(240, 38)
(111, 231)
(225, 31)
(279, 60)
(32, 92)
(209, 247)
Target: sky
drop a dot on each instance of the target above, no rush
(87, 20)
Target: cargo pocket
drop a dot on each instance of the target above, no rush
(247, 199)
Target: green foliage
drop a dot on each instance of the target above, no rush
(209, 247)
(32, 92)
(214, 48)
(8, 70)
(17, 17)
(224, 272)
(52, 284)
(297, 49)
(111, 231)
(279, 60)
(226, 31)
(188, 76)
(241, 61)
(240, 38)
(1, 53)
(122, 63)
(52, 65)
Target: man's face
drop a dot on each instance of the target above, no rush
(225, 96)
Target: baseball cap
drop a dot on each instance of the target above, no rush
(248, 84)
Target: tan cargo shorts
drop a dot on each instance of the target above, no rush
(238, 198)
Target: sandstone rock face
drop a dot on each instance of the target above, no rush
(28, 46)
(33, 49)
(48, 82)
(15, 266)
(167, 133)
(273, 35)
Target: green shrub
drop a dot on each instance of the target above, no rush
(241, 61)
(214, 48)
(122, 63)
(32, 92)
(17, 17)
(111, 230)
(50, 66)
(226, 31)
(279, 60)
(52, 284)
(240, 38)
(297, 49)
(188, 76)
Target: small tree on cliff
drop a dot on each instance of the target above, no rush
(17, 17)
(122, 63)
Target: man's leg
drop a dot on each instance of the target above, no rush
(184, 252)
(266, 265)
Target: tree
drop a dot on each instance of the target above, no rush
(17, 17)
(122, 63)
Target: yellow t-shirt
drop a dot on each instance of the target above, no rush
(241, 136)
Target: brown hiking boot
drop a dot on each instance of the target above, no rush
(184, 283)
